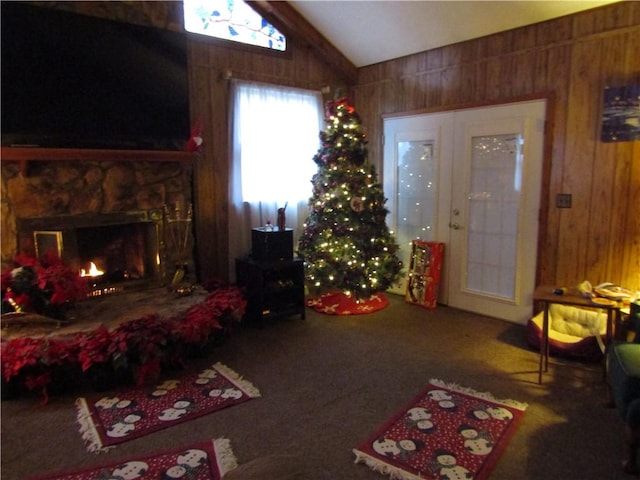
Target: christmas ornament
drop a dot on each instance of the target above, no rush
(357, 205)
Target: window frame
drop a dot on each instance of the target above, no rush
(241, 46)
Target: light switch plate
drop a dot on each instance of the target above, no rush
(563, 200)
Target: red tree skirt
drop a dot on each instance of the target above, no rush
(338, 303)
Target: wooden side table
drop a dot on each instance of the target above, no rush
(544, 294)
(274, 288)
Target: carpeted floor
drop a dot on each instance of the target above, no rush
(328, 381)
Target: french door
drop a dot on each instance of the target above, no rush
(471, 179)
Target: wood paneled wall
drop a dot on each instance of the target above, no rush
(570, 60)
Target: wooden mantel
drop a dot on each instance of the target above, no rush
(24, 155)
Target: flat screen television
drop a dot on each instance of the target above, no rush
(75, 81)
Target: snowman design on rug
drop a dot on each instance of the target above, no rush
(445, 464)
(224, 392)
(402, 449)
(179, 409)
(114, 404)
(420, 418)
(124, 426)
(476, 442)
(485, 412)
(444, 399)
(205, 376)
(500, 413)
(188, 465)
(126, 471)
(164, 388)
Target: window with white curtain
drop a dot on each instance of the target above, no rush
(275, 136)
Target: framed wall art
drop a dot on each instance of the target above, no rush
(621, 114)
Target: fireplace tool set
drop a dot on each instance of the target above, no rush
(177, 240)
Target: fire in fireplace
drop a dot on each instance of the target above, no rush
(117, 252)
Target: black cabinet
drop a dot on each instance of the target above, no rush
(274, 288)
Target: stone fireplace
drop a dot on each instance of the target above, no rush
(127, 218)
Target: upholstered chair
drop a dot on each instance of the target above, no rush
(623, 376)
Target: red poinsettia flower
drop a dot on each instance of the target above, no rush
(96, 347)
(25, 260)
(67, 285)
(32, 285)
(34, 358)
(19, 353)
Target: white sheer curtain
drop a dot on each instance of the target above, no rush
(275, 136)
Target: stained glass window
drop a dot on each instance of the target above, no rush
(231, 20)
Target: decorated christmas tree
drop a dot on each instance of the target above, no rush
(346, 244)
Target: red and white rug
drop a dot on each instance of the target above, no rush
(338, 303)
(109, 420)
(209, 460)
(445, 432)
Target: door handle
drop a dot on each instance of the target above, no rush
(455, 226)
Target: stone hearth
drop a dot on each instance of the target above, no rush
(110, 310)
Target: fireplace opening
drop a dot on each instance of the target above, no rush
(115, 252)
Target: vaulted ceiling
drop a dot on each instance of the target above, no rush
(353, 34)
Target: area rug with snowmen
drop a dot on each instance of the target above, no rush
(106, 421)
(445, 432)
(209, 460)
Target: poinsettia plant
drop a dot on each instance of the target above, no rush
(226, 302)
(147, 343)
(95, 347)
(143, 342)
(197, 326)
(33, 285)
(34, 358)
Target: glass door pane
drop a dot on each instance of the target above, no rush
(416, 190)
(493, 206)
(413, 197)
